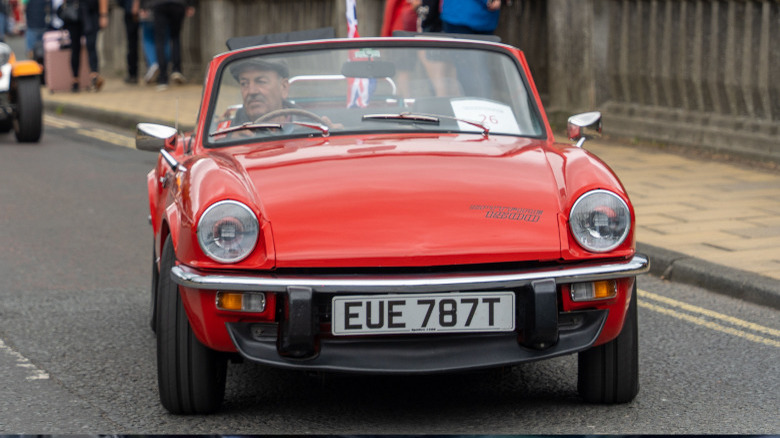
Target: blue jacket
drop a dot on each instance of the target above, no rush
(471, 13)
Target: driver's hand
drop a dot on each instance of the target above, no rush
(329, 123)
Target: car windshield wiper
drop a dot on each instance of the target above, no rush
(248, 125)
(415, 118)
(325, 130)
(424, 118)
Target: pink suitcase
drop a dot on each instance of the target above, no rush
(56, 62)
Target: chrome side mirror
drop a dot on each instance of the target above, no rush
(584, 126)
(152, 137)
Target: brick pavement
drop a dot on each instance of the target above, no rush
(722, 213)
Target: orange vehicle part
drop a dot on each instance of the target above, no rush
(26, 68)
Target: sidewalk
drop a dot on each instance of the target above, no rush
(126, 105)
(702, 222)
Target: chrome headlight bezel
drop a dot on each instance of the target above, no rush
(228, 231)
(600, 221)
(5, 53)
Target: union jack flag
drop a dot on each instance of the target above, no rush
(358, 90)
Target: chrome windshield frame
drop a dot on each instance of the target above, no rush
(221, 63)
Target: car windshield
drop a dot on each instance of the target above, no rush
(388, 89)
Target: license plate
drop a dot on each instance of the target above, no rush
(423, 313)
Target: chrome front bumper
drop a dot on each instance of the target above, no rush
(345, 284)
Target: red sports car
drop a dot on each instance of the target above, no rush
(388, 206)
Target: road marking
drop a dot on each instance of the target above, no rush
(97, 133)
(108, 136)
(60, 123)
(34, 373)
(710, 324)
(710, 313)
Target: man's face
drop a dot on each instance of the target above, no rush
(263, 91)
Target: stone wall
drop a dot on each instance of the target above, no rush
(695, 72)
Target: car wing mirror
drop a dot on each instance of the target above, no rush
(152, 137)
(158, 138)
(584, 126)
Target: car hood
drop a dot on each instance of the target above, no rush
(420, 201)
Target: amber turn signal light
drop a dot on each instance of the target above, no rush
(597, 290)
(241, 301)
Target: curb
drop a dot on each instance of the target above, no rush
(682, 268)
(113, 118)
(665, 264)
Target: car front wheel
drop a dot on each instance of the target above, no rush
(155, 284)
(609, 373)
(28, 117)
(191, 376)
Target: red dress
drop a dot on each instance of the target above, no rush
(399, 15)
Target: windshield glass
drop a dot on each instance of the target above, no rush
(328, 92)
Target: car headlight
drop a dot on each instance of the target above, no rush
(228, 231)
(5, 53)
(600, 221)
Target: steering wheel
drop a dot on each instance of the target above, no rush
(291, 112)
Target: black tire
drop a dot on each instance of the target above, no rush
(155, 283)
(190, 376)
(6, 125)
(609, 373)
(28, 116)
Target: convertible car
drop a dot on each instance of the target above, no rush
(386, 206)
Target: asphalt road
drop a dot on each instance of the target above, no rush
(77, 355)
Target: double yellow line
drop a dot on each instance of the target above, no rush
(709, 319)
(108, 137)
(97, 133)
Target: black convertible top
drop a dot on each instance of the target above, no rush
(285, 37)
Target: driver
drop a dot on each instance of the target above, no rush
(264, 85)
(264, 88)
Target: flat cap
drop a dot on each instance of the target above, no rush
(258, 63)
